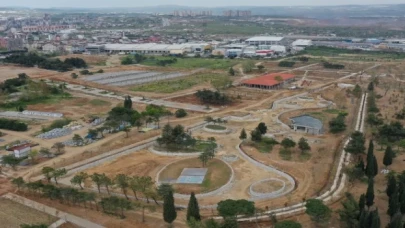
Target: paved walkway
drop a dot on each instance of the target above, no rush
(52, 211)
(171, 104)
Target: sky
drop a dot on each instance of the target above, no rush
(207, 3)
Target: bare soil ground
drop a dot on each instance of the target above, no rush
(14, 214)
(78, 106)
(11, 71)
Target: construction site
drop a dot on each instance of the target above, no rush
(277, 179)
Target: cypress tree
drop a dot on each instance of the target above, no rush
(169, 210)
(129, 102)
(393, 205)
(364, 221)
(371, 161)
(370, 193)
(401, 193)
(396, 221)
(193, 211)
(375, 166)
(391, 185)
(388, 156)
(362, 202)
(243, 134)
(375, 219)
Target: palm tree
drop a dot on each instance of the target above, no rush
(122, 181)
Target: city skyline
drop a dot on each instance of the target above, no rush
(206, 3)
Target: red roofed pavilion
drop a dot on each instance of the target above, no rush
(269, 81)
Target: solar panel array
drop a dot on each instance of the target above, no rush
(131, 77)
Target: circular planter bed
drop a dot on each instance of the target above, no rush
(216, 129)
(268, 188)
(218, 175)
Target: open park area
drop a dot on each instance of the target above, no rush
(138, 132)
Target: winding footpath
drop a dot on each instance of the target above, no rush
(336, 189)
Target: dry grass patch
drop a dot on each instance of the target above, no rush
(218, 175)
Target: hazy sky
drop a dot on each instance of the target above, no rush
(208, 3)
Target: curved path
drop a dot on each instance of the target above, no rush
(338, 184)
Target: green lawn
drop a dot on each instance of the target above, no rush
(50, 99)
(174, 85)
(98, 102)
(192, 63)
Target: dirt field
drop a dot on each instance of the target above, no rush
(14, 214)
(11, 71)
(78, 106)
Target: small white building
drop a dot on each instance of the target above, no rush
(301, 44)
(264, 40)
(50, 48)
(22, 151)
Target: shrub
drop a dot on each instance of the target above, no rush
(333, 66)
(211, 97)
(286, 64)
(180, 113)
(57, 124)
(12, 125)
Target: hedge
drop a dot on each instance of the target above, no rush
(13, 125)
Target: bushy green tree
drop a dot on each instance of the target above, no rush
(180, 113)
(303, 145)
(256, 135)
(262, 128)
(232, 208)
(318, 211)
(350, 212)
(288, 143)
(231, 71)
(356, 145)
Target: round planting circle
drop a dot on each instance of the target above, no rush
(268, 188)
(216, 128)
(217, 174)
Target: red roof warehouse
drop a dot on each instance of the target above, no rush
(269, 81)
